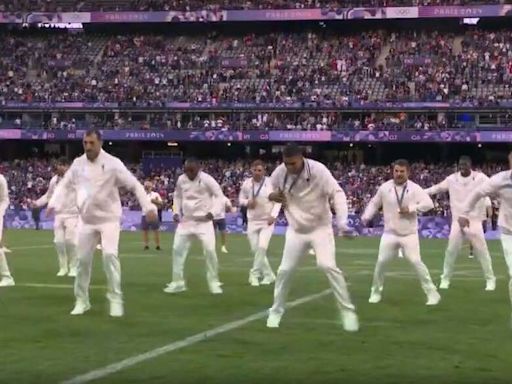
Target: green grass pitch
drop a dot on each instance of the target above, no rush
(466, 339)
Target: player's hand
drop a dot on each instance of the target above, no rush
(151, 217)
(277, 197)
(404, 210)
(251, 204)
(271, 221)
(176, 218)
(208, 217)
(463, 222)
(50, 211)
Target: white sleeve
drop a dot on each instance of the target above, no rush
(217, 195)
(276, 207)
(43, 200)
(276, 179)
(4, 195)
(374, 205)
(438, 188)
(490, 187)
(127, 180)
(422, 203)
(177, 198)
(244, 195)
(65, 187)
(339, 200)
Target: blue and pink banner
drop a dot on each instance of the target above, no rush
(348, 105)
(460, 136)
(431, 227)
(320, 14)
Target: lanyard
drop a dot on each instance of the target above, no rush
(294, 181)
(256, 194)
(400, 199)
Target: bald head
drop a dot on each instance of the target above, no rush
(191, 168)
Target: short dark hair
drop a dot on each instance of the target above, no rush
(291, 150)
(62, 161)
(465, 158)
(401, 163)
(94, 131)
(191, 160)
(257, 163)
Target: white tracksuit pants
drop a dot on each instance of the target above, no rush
(410, 244)
(475, 234)
(506, 243)
(89, 236)
(4, 267)
(259, 235)
(185, 232)
(296, 245)
(65, 239)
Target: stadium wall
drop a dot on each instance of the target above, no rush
(429, 226)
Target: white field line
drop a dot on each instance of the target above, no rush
(187, 342)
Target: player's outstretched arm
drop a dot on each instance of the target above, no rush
(66, 186)
(422, 203)
(127, 180)
(490, 187)
(438, 188)
(45, 199)
(373, 207)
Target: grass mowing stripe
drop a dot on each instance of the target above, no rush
(131, 361)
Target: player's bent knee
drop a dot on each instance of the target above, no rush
(326, 267)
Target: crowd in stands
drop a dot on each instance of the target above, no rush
(28, 179)
(253, 121)
(325, 69)
(194, 5)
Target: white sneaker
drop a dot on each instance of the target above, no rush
(490, 285)
(400, 253)
(375, 297)
(350, 321)
(267, 280)
(273, 320)
(62, 272)
(116, 309)
(80, 308)
(7, 282)
(470, 256)
(72, 272)
(434, 298)
(312, 252)
(224, 249)
(215, 288)
(445, 284)
(254, 281)
(6, 250)
(98, 247)
(175, 287)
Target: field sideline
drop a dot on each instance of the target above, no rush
(466, 339)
